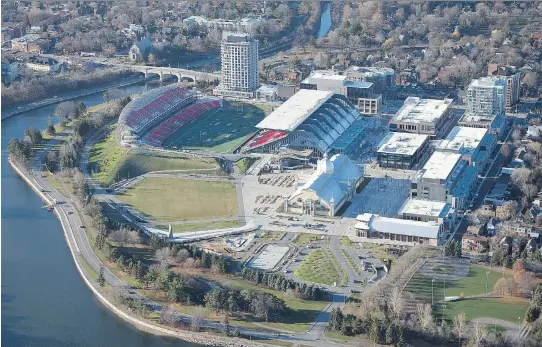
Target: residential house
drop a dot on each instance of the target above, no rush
(10, 70)
(474, 230)
(475, 243)
(140, 50)
(506, 244)
(517, 243)
(517, 227)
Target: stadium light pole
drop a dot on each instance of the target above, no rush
(487, 274)
(432, 291)
(519, 324)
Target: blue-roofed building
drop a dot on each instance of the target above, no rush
(332, 185)
(463, 190)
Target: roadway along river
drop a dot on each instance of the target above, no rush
(44, 301)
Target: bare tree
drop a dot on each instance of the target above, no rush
(181, 256)
(168, 316)
(460, 325)
(505, 286)
(65, 110)
(397, 302)
(198, 316)
(424, 316)
(479, 334)
(163, 254)
(510, 208)
(506, 151)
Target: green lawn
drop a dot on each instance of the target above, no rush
(379, 250)
(271, 235)
(110, 163)
(318, 268)
(473, 284)
(220, 130)
(197, 226)
(173, 199)
(505, 309)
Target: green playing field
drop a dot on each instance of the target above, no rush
(221, 130)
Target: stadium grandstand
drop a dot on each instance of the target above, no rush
(148, 110)
(321, 121)
(162, 131)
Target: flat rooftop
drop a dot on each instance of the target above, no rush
(463, 139)
(400, 226)
(470, 117)
(324, 75)
(417, 110)
(402, 143)
(486, 82)
(440, 165)
(295, 110)
(424, 207)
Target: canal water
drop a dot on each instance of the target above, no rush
(44, 300)
(325, 21)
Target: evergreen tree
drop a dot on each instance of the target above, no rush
(226, 327)
(51, 131)
(101, 277)
(390, 334)
(532, 313)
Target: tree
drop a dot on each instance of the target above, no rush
(424, 316)
(101, 276)
(460, 325)
(51, 160)
(506, 150)
(65, 110)
(197, 317)
(336, 319)
(168, 316)
(397, 303)
(533, 312)
(34, 135)
(51, 131)
(226, 326)
(162, 255)
(505, 286)
(322, 60)
(479, 334)
(19, 150)
(510, 209)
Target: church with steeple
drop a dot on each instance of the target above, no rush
(331, 185)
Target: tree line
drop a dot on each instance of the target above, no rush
(278, 282)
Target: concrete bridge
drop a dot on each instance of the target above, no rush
(181, 74)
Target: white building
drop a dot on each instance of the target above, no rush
(239, 54)
(437, 178)
(268, 92)
(471, 143)
(43, 64)
(332, 184)
(486, 96)
(398, 230)
(421, 116)
(401, 150)
(359, 93)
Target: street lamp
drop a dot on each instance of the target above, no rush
(444, 287)
(519, 324)
(487, 274)
(432, 291)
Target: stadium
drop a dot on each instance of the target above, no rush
(319, 121)
(175, 117)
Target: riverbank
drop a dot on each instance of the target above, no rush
(31, 106)
(137, 322)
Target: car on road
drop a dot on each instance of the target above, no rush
(70, 212)
(82, 226)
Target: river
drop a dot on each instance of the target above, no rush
(44, 300)
(325, 21)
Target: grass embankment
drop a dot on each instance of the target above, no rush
(472, 284)
(304, 239)
(379, 250)
(351, 262)
(499, 308)
(112, 163)
(345, 241)
(244, 164)
(173, 199)
(186, 227)
(319, 267)
(272, 235)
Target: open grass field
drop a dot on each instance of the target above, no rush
(221, 130)
(244, 164)
(173, 199)
(110, 163)
(345, 241)
(318, 267)
(500, 308)
(473, 284)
